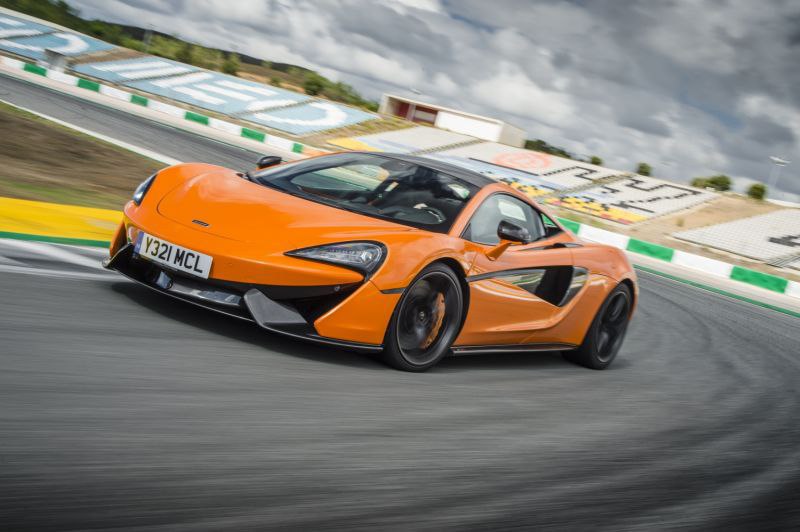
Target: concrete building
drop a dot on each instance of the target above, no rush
(481, 127)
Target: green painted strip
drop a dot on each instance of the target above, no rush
(763, 280)
(195, 117)
(88, 85)
(56, 239)
(297, 147)
(139, 100)
(719, 291)
(253, 134)
(35, 69)
(569, 224)
(651, 250)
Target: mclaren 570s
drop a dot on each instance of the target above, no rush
(405, 256)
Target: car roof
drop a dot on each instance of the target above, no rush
(473, 178)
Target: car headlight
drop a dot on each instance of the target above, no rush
(141, 190)
(362, 256)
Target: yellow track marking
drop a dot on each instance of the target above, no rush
(57, 221)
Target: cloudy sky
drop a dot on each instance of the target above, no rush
(693, 87)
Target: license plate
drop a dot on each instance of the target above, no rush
(172, 255)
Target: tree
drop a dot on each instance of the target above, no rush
(231, 64)
(757, 191)
(313, 84)
(718, 182)
(595, 160)
(185, 53)
(540, 145)
(108, 32)
(644, 169)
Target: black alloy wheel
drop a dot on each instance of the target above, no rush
(612, 326)
(426, 321)
(604, 337)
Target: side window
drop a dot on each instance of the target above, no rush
(341, 179)
(550, 227)
(482, 228)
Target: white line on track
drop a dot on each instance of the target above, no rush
(60, 253)
(130, 66)
(165, 71)
(130, 147)
(10, 262)
(46, 272)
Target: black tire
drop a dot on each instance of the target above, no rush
(605, 335)
(426, 321)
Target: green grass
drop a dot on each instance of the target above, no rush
(45, 161)
(5, 108)
(57, 193)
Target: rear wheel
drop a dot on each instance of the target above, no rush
(426, 320)
(605, 335)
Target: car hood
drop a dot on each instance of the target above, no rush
(225, 205)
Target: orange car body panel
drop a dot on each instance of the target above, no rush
(250, 227)
(363, 317)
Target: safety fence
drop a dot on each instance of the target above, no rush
(677, 257)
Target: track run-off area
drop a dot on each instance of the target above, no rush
(123, 409)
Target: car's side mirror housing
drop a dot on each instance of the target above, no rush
(513, 233)
(269, 160)
(509, 233)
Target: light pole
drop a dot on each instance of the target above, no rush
(775, 172)
(148, 37)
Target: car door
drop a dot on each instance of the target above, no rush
(518, 292)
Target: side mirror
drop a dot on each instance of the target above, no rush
(508, 233)
(513, 233)
(269, 160)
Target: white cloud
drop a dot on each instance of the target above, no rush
(512, 91)
(423, 5)
(760, 105)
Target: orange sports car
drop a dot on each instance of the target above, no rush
(393, 254)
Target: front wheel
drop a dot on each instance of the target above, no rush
(426, 320)
(605, 335)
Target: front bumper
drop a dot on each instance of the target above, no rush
(290, 311)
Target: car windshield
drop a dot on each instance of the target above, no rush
(375, 185)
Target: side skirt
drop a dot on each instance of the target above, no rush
(514, 348)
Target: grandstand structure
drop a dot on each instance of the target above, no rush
(280, 109)
(772, 238)
(633, 199)
(534, 173)
(188, 84)
(419, 139)
(30, 39)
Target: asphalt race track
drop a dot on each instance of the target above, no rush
(123, 409)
